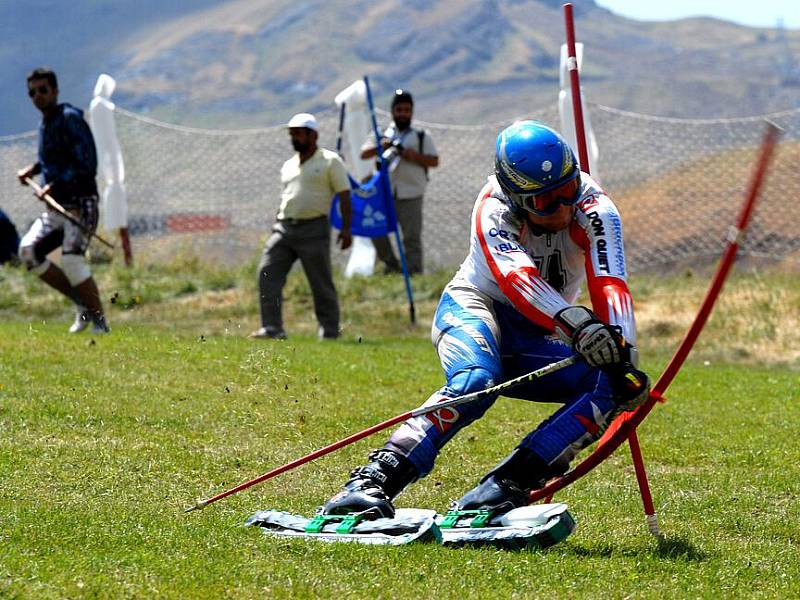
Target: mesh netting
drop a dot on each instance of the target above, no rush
(678, 184)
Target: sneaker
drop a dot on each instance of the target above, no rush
(100, 326)
(327, 335)
(264, 333)
(82, 319)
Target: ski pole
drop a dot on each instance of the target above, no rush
(421, 410)
(52, 204)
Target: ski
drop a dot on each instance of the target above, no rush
(537, 526)
(534, 527)
(408, 525)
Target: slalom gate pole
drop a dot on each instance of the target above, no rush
(627, 422)
(422, 410)
(55, 206)
(580, 134)
(575, 88)
(412, 311)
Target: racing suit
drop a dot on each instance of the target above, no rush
(494, 322)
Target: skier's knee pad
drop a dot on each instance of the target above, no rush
(472, 380)
(75, 268)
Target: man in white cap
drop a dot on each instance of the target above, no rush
(309, 179)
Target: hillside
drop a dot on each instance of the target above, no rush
(251, 62)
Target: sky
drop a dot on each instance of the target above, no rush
(763, 13)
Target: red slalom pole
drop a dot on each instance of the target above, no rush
(575, 87)
(627, 422)
(734, 239)
(419, 411)
(580, 135)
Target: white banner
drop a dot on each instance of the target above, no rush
(114, 208)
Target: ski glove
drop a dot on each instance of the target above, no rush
(599, 344)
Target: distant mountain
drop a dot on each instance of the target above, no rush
(254, 62)
(79, 39)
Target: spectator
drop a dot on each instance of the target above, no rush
(9, 239)
(68, 165)
(411, 152)
(309, 180)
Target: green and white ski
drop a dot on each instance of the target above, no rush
(408, 525)
(536, 527)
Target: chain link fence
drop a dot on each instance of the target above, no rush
(678, 184)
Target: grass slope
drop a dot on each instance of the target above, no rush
(104, 441)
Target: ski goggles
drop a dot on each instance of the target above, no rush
(547, 203)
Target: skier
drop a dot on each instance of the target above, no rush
(540, 228)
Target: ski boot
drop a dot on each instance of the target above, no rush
(507, 485)
(371, 488)
(496, 512)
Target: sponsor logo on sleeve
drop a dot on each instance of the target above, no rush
(601, 243)
(511, 243)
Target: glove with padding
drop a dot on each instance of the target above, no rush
(631, 386)
(600, 345)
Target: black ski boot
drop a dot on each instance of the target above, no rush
(507, 485)
(372, 488)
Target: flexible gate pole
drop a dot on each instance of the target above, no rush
(583, 157)
(627, 422)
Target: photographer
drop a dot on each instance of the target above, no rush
(410, 152)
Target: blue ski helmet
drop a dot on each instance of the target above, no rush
(533, 165)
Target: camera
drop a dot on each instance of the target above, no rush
(394, 149)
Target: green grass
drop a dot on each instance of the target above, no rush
(104, 441)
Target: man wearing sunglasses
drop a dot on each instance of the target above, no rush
(540, 228)
(67, 163)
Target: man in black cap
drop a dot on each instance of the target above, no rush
(410, 152)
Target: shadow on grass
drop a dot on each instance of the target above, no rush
(679, 547)
(676, 548)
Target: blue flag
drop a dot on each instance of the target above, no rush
(373, 207)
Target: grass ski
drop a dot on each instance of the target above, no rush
(537, 526)
(408, 525)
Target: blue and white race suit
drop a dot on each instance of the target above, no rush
(494, 322)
